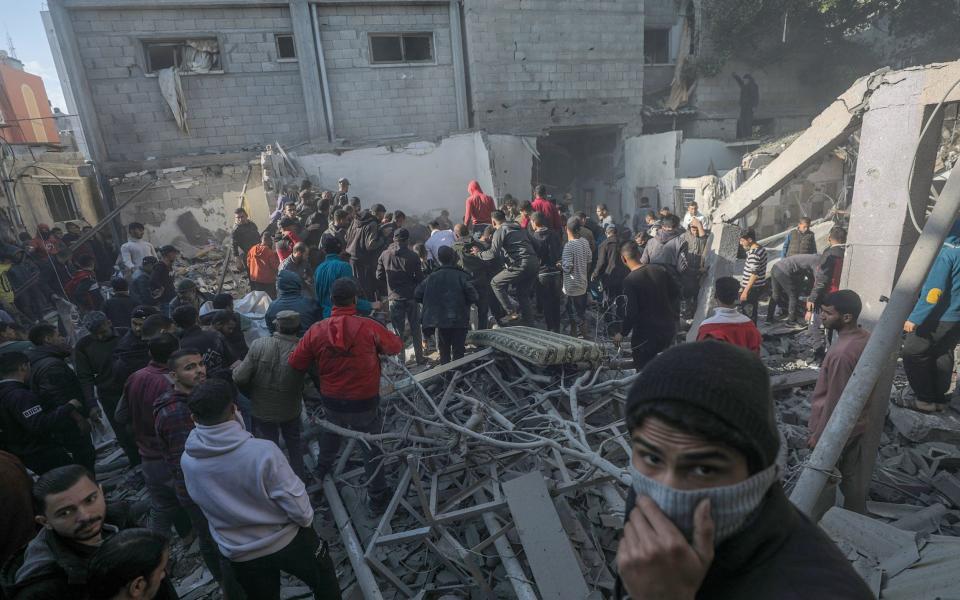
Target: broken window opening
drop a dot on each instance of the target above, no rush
(401, 48)
(286, 50)
(60, 202)
(656, 46)
(682, 198)
(187, 56)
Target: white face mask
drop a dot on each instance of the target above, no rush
(730, 506)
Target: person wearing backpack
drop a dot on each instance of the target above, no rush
(668, 248)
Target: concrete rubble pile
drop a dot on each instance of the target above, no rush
(508, 479)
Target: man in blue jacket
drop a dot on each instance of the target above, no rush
(331, 269)
(290, 297)
(933, 331)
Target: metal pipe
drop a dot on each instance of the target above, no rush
(880, 351)
(522, 588)
(365, 578)
(229, 256)
(107, 218)
(324, 82)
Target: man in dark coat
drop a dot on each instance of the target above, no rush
(131, 353)
(611, 271)
(548, 245)
(291, 297)
(480, 271)
(162, 278)
(512, 244)
(244, 235)
(364, 245)
(209, 344)
(446, 296)
(399, 267)
(702, 426)
(56, 384)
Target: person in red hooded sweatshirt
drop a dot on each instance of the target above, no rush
(479, 207)
(549, 209)
(346, 350)
(44, 244)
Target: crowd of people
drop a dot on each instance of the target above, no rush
(200, 412)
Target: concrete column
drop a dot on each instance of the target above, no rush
(882, 234)
(66, 54)
(721, 262)
(304, 37)
(459, 65)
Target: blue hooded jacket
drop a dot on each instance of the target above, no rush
(289, 297)
(940, 297)
(330, 270)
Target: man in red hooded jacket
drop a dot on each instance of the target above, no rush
(346, 349)
(549, 209)
(479, 206)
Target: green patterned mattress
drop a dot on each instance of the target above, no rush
(537, 346)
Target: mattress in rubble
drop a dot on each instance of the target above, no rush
(537, 346)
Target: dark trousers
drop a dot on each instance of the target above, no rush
(218, 566)
(487, 304)
(549, 293)
(785, 292)
(165, 509)
(366, 421)
(366, 275)
(305, 557)
(752, 306)
(78, 444)
(269, 288)
(451, 343)
(577, 309)
(124, 437)
(403, 312)
(290, 430)
(614, 304)
(646, 345)
(928, 360)
(46, 460)
(522, 279)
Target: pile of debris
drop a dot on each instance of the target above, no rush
(507, 476)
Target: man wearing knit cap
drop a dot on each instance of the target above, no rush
(707, 514)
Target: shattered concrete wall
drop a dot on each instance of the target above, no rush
(378, 101)
(536, 64)
(58, 168)
(419, 178)
(190, 207)
(511, 163)
(696, 156)
(252, 99)
(651, 162)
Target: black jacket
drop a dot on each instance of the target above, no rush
(400, 267)
(129, 355)
(52, 379)
(480, 271)
(653, 302)
(162, 279)
(25, 426)
(119, 310)
(211, 346)
(446, 296)
(826, 277)
(512, 243)
(244, 237)
(364, 242)
(549, 248)
(54, 568)
(610, 269)
(780, 555)
(93, 360)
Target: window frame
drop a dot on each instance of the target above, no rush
(403, 62)
(69, 200)
(293, 41)
(179, 43)
(670, 58)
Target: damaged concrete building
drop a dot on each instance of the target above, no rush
(412, 95)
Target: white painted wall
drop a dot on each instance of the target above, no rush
(511, 164)
(420, 178)
(650, 161)
(696, 155)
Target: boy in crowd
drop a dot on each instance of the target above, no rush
(727, 323)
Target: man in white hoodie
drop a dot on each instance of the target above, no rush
(135, 248)
(258, 509)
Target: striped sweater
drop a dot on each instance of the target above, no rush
(575, 262)
(756, 265)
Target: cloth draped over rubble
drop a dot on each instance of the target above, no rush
(172, 93)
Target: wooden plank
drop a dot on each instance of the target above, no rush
(549, 552)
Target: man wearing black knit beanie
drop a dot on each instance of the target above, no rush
(707, 514)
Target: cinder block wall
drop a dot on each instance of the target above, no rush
(376, 101)
(255, 101)
(536, 64)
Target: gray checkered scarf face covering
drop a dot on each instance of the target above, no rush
(730, 507)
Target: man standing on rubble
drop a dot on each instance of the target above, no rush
(343, 347)
(365, 242)
(342, 197)
(575, 264)
(549, 284)
(480, 273)
(263, 265)
(244, 235)
(399, 267)
(933, 331)
(476, 214)
(541, 204)
(162, 278)
(512, 244)
(338, 227)
(839, 312)
(298, 263)
(328, 272)
(753, 282)
(801, 240)
(653, 307)
(706, 513)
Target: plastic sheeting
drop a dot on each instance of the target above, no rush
(172, 93)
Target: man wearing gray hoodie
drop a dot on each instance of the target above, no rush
(258, 509)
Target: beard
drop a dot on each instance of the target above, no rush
(88, 530)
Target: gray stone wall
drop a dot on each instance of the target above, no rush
(378, 101)
(256, 100)
(536, 64)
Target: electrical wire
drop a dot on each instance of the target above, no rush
(913, 163)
